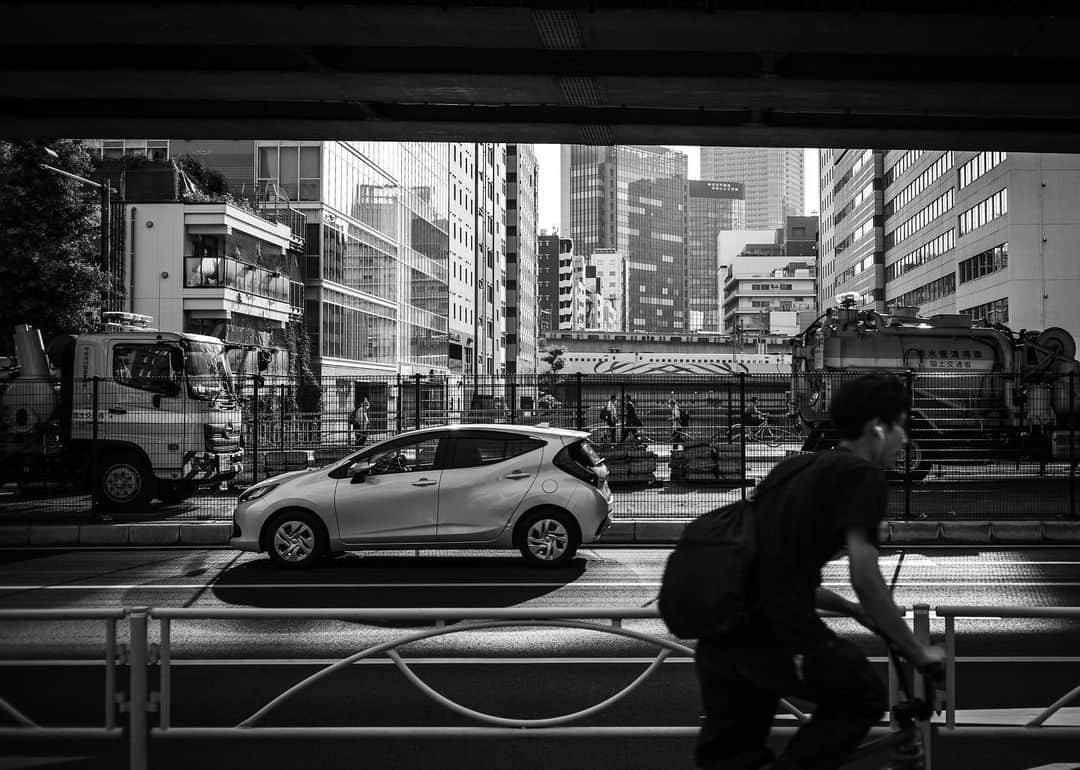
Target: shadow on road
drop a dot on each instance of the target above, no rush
(385, 581)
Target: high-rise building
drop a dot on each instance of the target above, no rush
(772, 180)
(522, 175)
(712, 207)
(634, 199)
(549, 248)
(987, 234)
(852, 258)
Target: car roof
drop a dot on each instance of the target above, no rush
(502, 428)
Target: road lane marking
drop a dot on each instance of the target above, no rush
(448, 585)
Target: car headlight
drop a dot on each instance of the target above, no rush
(257, 492)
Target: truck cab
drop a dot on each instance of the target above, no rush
(154, 413)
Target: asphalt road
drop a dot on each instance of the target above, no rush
(226, 669)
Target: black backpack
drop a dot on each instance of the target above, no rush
(705, 590)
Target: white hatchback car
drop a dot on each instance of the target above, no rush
(541, 490)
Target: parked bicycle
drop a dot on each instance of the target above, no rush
(760, 430)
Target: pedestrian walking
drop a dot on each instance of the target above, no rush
(609, 414)
(805, 511)
(631, 422)
(680, 419)
(360, 421)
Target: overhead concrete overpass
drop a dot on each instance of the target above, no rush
(815, 73)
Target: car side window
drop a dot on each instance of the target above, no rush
(488, 449)
(412, 457)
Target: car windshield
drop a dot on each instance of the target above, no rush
(208, 373)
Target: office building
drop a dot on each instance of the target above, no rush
(612, 276)
(772, 180)
(990, 235)
(770, 286)
(634, 199)
(712, 207)
(522, 179)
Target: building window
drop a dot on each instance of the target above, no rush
(997, 205)
(989, 261)
(996, 311)
(978, 166)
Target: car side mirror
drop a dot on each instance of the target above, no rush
(359, 472)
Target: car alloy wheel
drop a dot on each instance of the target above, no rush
(547, 540)
(294, 541)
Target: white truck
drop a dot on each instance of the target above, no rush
(129, 412)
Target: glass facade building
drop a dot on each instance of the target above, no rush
(713, 206)
(634, 199)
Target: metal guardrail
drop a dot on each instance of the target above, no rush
(141, 657)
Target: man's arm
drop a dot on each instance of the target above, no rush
(877, 601)
(830, 601)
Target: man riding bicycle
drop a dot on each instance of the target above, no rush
(785, 649)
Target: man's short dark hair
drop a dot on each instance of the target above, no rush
(856, 402)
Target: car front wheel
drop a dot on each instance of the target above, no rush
(296, 540)
(548, 538)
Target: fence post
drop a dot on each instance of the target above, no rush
(138, 694)
(742, 431)
(255, 429)
(580, 412)
(397, 409)
(416, 378)
(281, 423)
(1072, 450)
(921, 629)
(910, 384)
(94, 453)
(513, 400)
(622, 408)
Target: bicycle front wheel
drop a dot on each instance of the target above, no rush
(770, 436)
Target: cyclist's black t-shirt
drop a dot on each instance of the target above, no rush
(801, 526)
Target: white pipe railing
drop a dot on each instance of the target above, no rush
(951, 612)
(141, 656)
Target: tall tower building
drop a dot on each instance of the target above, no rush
(772, 180)
(634, 199)
(712, 207)
(521, 259)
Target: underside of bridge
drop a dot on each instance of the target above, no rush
(816, 74)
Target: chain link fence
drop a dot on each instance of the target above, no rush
(986, 446)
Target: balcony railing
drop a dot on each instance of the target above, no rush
(225, 273)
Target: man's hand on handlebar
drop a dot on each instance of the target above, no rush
(931, 663)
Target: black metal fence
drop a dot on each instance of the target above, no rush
(983, 445)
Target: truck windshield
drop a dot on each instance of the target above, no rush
(207, 371)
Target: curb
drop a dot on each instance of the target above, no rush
(217, 533)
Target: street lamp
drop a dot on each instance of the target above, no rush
(106, 191)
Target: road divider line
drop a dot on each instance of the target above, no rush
(444, 585)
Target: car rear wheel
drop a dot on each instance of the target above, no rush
(296, 540)
(548, 538)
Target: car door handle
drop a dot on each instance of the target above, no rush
(425, 483)
(517, 475)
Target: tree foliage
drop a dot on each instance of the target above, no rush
(49, 238)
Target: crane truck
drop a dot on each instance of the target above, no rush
(979, 391)
(128, 412)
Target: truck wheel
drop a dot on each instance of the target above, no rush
(173, 492)
(920, 464)
(124, 482)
